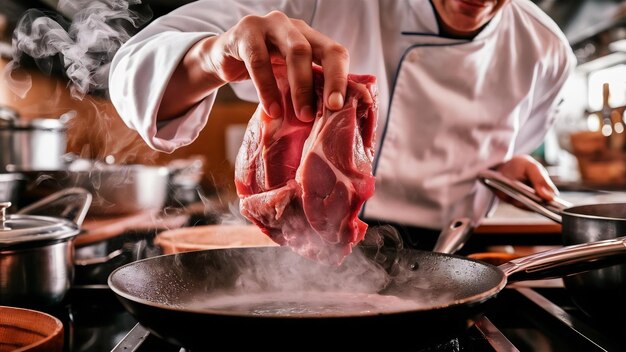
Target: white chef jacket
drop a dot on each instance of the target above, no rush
(448, 108)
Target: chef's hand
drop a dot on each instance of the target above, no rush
(526, 169)
(246, 51)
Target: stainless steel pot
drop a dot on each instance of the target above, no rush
(123, 189)
(38, 144)
(116, 189)
(600, 293)
(37, 253)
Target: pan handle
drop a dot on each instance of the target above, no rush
(453, 237)
(567, 260)
(524, 194)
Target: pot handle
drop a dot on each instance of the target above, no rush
(525, 195)
(567, 260)
(99, 260)
(3, 214)
(74, 203)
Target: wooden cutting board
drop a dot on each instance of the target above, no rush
(212, 237)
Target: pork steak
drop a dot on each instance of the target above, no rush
(304, 183)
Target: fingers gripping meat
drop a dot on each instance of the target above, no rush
(304, 183)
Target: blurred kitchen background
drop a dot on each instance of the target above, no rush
(585, 148)
(40, 90)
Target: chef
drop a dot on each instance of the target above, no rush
(464, 85)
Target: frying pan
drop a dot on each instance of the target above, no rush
(270, 297)
(599, 293)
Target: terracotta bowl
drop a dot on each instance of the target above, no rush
(28, 330)
(212, 237)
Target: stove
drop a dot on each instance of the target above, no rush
(523, 319)
(527, 316)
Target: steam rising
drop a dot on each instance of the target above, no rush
(374, 278)
(84, 47)
(283, 275)
(79, 51)
(291, 273)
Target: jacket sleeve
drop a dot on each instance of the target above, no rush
(142, 67)
(551, 77)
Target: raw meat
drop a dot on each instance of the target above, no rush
(303, 183)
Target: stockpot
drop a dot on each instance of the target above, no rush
(37, 252)
(37, 144)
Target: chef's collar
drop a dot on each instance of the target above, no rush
(425, 11)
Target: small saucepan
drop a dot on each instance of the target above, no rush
(599, 293)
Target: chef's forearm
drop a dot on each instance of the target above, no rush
(191, 81)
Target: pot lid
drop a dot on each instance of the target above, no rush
(19, 229)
